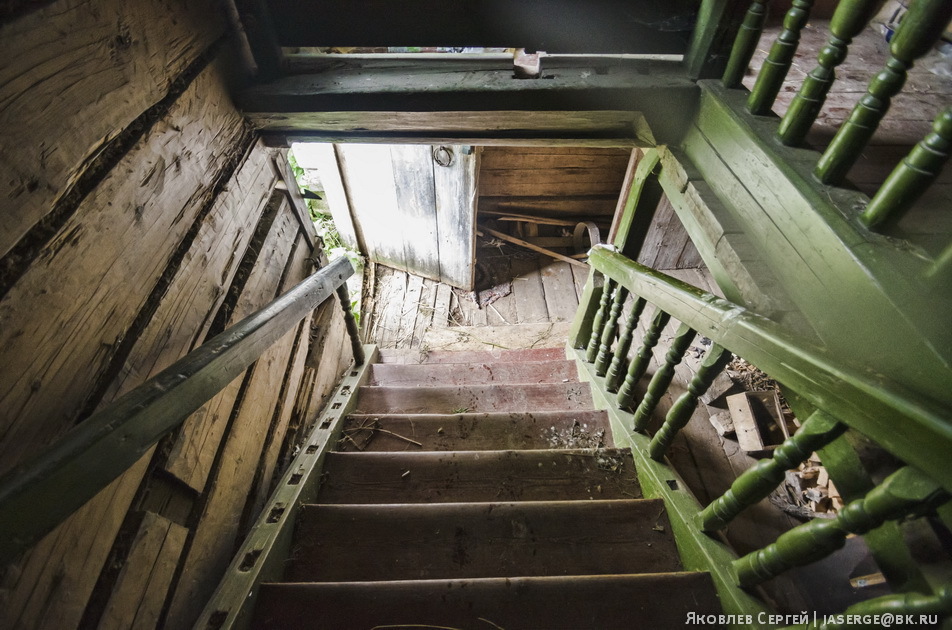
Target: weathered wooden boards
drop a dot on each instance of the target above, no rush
(117, 61)
(551, 181)
(140, 191)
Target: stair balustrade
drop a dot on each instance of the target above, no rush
(844, 398)
(920, 29)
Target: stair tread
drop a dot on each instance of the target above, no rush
(478, 476)
(470, 540)
(469, 356)
(477, 431)
(603, 602)
(474, 398)
(553, 371)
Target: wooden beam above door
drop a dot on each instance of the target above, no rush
(582, 102)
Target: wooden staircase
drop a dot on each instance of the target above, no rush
(481, 490)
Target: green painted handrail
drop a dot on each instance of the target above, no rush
(848, 21)
(921, 27)
(914, 428)
(39, 495)
(913, 175)
(778, 62)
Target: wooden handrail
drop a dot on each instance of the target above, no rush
(38, 495)
(914, 428)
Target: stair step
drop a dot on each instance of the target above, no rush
(604, 602)
(473, 476)
(474, 398)
(473, 373)
(470, 356)
(476, 431)
(336, 543)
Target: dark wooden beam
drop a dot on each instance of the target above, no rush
(296, 103)
(714, 33)
(37, 496)
(581, 26)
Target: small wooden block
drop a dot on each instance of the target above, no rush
(754, 413)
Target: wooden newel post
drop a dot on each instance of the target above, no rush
(716, 360)
(918, 31)
(662, 378)
(616, 371)
(638, 365)
(913, 175)
(778, 62)
(755, 483)
(745, 44)
(906, 491)
(849, 20)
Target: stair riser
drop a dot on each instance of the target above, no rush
(475, 398)
(474, 540)
(475, 356)
(473, 373)
(353, 478)
(618, 602)
(473, 432)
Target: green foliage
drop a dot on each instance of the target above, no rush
(334, 245)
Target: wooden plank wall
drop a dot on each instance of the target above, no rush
(572, 182)
(141, 218)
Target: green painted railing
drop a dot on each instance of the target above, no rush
(842, 396)
(36, 497)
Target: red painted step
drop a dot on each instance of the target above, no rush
(472, 356)
(473, 373)
(474, 398)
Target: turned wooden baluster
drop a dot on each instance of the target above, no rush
(609, 332)
(777, 65)
(716, 360)
(592, 349)
(849, 21)
(616, 371)
(755, 483)
(919, 29)
(906, 604)
(906, 491)
(745, 44)
(638, 365)
(914, 174)
(662, 378)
